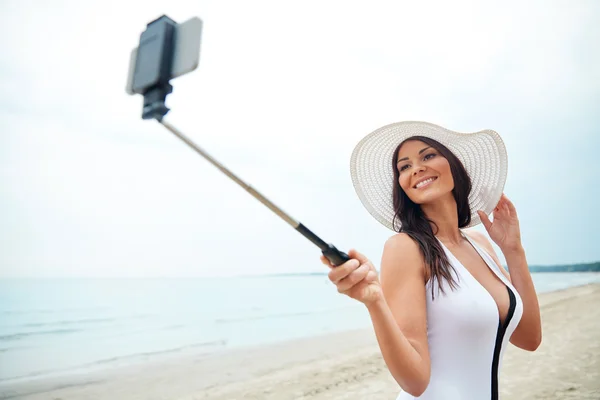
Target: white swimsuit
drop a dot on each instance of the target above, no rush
(466, 339)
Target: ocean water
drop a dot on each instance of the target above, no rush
(57, 326)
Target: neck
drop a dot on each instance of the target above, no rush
(444, 214)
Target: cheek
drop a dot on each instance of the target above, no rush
(403, 180)
(444, 168)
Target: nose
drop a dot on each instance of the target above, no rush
(417, 169)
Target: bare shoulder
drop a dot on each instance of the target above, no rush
(401, 241)
(484, 242)
(477, 236)
(401, 257)
(402, 247)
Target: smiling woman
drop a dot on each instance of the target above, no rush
(420, 161)
(443, 300)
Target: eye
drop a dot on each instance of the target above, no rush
(425, 158)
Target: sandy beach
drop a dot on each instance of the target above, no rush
(343, 366)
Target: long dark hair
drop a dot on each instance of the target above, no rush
(415, 224)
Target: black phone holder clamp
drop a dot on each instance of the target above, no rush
(153, 66)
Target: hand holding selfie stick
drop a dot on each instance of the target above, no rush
(168, 50)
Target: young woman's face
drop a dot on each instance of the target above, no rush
(424, 173)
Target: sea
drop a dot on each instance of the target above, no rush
(53, 327)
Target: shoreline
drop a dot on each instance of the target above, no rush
(334, 366)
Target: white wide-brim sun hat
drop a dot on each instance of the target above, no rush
(482, 153)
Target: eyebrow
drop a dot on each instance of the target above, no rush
(420, 151)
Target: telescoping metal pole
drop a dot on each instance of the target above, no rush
(335, 256)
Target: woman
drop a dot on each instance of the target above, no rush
(443, 308)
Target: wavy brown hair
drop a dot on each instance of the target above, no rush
(410, 219)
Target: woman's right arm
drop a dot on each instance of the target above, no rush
(400, 317)
(397, 305)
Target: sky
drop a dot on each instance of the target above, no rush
(283, 93)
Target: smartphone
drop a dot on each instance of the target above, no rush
(186, 53)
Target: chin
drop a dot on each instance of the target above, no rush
(430, 196)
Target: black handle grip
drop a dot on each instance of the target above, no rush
(335, 256)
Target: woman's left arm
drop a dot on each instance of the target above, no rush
(505, 232)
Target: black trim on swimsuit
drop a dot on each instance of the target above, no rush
(499, 338)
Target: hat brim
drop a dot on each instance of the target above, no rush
(482, 153)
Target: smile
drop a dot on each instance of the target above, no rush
(424, 183)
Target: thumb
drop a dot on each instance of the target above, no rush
(356, 255)
(485, 220)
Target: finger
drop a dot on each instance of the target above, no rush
(353, 278)
(506, 209)
(325, 261)
(485, 220)
(500, 204)
(353, 253)
(371, 276)
(499, 210)
(338, 273)
(510, 204)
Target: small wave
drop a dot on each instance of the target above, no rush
(69, 322)
(258, 317)
(25, 376)
(13, 348)
(279, 315)
(216, 343)
(40, 373)
(21, 335)
(82, 321)
(21, 312)
(131, 357)
(173, 327)
(51, 310)
(9, 395)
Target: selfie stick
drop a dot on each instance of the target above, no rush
(168, 50)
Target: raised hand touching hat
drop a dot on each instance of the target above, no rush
(504, 230)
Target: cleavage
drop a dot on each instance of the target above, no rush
(481, 272)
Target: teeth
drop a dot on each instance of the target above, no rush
(418, 185)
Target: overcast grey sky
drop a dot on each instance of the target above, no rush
(283, 93)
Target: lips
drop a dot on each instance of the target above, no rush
(424, 182)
